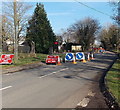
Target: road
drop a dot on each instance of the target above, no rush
(52, 86)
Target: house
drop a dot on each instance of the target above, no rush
(23, 46)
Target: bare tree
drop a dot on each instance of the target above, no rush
(109, 37)
(116, 10)
(7, 31)
(83, 32)
(15, 12)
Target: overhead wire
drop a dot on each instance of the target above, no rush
(92, 8)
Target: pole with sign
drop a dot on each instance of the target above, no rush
(80, 56)
(69, 57)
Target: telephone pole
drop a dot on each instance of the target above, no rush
(119, 13)
(15, 32)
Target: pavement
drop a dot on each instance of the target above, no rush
(50, 86)
(20, 68)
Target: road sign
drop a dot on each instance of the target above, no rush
(80, 56)
(52, 59)
(69, 57)
(56, 43)
(6, 58)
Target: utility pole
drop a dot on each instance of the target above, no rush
(119, 13)
(118, 36)
(15, 33)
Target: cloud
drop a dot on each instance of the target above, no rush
(59, 14)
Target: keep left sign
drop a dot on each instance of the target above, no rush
(80, 56)
(69, 57)
(6, 58)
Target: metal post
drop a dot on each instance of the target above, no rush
(119, 13)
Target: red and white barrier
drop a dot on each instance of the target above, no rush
(53, 59)
(6, 58)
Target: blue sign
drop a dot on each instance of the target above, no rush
(79, 56)
(69, 56)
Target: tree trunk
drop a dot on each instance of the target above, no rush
(32, 50)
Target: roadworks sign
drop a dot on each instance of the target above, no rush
(80, 56)
(69, 57)
(6, 58)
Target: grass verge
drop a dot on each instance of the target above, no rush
(27, 59)
(113, 80)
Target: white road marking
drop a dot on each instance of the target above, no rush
(91, 94)
(84, 102)
(54, 72)
(5, 88)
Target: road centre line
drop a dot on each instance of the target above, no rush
(54, 72)
(5, 88)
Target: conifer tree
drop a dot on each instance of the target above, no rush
(40, 31)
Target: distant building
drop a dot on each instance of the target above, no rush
(23, 46)
(76, 48)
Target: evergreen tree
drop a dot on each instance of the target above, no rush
(40, 30)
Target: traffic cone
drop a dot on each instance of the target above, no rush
(88, 57)
(92, 56)
(84, 61)
(58, 61)
(74, 61)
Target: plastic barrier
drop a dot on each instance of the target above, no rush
(6, 58)
(53, 59)
(69, 56)
(80, 56)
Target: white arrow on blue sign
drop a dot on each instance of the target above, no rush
(79, 56)
(69, 56)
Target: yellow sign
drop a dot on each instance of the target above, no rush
(77, 48)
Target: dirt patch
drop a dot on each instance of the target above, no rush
(96, 101)
(102, 98)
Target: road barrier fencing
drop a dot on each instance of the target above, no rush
(70, 57)
(6, 58)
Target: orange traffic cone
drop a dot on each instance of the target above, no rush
(58, 61)
(84, 61)
(74, 61)
(88, 57)
(92, 56)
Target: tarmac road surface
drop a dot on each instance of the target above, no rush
(52, 86)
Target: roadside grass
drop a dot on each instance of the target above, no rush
(113, 80)
(25, 58)
(62, 55)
